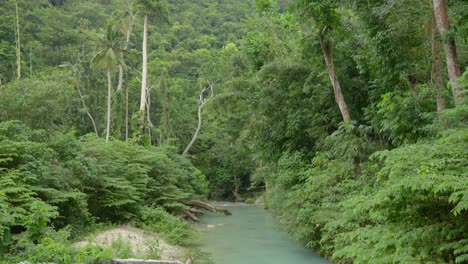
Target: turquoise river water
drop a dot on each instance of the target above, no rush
(251, 235)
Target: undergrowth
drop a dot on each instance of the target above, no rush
(53, 187)
(408, 205)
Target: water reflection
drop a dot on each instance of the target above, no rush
(250, 235)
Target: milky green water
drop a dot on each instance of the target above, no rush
(251, 235)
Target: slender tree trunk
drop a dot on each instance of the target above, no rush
(327, 54)
(109, 102)
(87, 111)
(126, 114)
(127, 40)
(357, 167)
(195, 135)
(121, 72)
(339, 98)
(236, 194)
(443, 24)
(436, 72)
(144, 74)
(201, 102)
(18, 45)
(165, 106)
(148, 116)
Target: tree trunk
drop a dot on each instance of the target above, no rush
(121, 73)
(127, 40)
(236, 194)
(144, 261)
(126, 114)
(327, 54)
(18, 45)
(190, 215)
(196, 211)
(165, 114)
(436, 72)
(148, 116)
(144, 73)
(195, 135)
(206, 206)
(357, 167)
(109, 102)
(87, 111)
(201, 102)
(443, 24)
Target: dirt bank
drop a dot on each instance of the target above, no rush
(141, 243)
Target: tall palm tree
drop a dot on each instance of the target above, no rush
(109, 54)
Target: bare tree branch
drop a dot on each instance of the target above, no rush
(87, 111)
(148, 106)
(131, 22)
(202, 101)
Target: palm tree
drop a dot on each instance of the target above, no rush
(110, 52)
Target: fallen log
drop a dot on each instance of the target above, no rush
(196, 211)
(141, 261)
(190, 215)
(206, 206)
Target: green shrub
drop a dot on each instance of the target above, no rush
(55, 247)
(60, 180)
(49, 250)
(174, 229)
(37, 222)
(121, 249)
(249, 201)
(409, 205)
(92, 254)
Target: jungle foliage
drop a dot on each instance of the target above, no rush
(389, 186)
(70, 183)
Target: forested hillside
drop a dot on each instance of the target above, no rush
(351, 116)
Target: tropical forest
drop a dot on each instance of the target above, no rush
(233, 131)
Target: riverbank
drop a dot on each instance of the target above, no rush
(131, 242)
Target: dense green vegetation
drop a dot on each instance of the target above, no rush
(74, 183)
(348, 114)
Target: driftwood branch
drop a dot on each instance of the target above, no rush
(190, 215)
(196, 211)
(142, 261)
(202, 101)
(206, 206)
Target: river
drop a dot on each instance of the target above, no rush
(251, 235)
